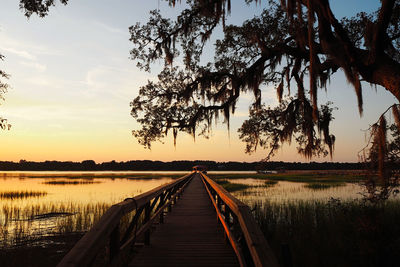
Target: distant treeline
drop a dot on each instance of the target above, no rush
(184, 165)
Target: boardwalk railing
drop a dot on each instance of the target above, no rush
(106, 233)
(240, 227)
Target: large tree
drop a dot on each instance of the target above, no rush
(293, 43)
(29, 7)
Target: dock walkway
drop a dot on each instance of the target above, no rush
(205, 226)
(190, 236)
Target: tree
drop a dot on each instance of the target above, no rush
(289, 41)
(382, 153)
(3, 90)
(29, 7)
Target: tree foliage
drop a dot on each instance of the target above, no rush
(269, 127)
(382, 153)
(293, 43)
(38, 7)
(3, 89)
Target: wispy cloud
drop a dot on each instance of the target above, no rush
(35, 65)
(111, 28)
(21, 53)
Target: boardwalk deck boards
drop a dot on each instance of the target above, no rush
(190, 236)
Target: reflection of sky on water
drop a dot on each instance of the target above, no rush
(102, 190)
(80, 199)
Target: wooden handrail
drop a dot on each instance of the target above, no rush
(243, 226)
(107, 228)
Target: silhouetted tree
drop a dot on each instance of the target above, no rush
(38, 7)
(3, 90)
(382, 154)
(289, 41)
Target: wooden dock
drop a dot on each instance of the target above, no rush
(198, 223)
(190, 236)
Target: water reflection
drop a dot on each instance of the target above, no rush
(71, 202)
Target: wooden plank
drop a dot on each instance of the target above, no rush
(190, 236)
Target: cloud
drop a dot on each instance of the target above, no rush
(21, 53)
(39, 67)
(111, 28)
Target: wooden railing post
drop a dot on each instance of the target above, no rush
(162, 216)
(162, 201)
(147, 212)
(243, 232)
(170, 202)
(106, 232)
(114, 242)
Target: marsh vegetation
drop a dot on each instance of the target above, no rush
(322, 219)
(21, 194)
(69, 182)
(319, 213)
(35, 207)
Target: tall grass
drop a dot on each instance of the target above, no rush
(21, 194)
(304, 177)
(232, 187)
(323, 186)
(270, 183)
(20, 225)
(333, 234)
(70, 182)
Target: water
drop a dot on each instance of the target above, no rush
(76, 207)
(74, 200)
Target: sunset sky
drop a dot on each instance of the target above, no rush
(72, 81)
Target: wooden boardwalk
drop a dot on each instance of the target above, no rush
(206, 227)
(190, 236)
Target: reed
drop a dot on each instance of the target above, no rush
(354, 233)
(21, 194)
(270, 183)
(23, 224)
(89, 176)
(303, 177)
(323, 186)
(232, 187)
(71, 182)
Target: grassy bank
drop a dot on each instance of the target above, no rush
(21, 194)
(232, 187)
(303, 177)
(333, 234)
(89, 176)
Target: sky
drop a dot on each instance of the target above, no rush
(72, 81)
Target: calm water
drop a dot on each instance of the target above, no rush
(75, 207)
(66, 207)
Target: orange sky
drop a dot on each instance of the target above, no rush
(72, 81)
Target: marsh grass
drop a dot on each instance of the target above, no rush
(232, 187)
(21, 194)
(134, 176)
(70, 182)
(24, 226)
(302, 177)
(323, 186)
(270, 183)
(19, 225)
(353, 233)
